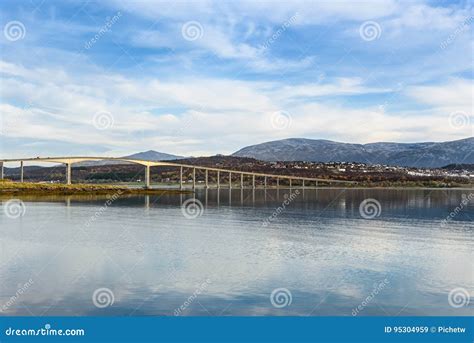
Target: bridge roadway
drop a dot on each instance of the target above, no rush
(69, 161)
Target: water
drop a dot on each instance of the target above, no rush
(316, 254)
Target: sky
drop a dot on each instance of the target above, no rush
(111, 78)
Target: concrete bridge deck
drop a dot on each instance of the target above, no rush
(69, 161)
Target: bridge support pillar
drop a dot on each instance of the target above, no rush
(147, 176)
(68, 173)
(21, 171)
(180, 178)
(207, 178)
(253, 181)
(1, 172)
(241, 181)
(218, 179)
(290, 183)
(303, 183)
(265, 182)
(278, 182)
(194, 178)
(230, 180)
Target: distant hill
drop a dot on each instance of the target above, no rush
(218, 160)
(150, 155)
(428, 154)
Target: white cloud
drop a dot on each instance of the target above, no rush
(338, 86)
(457, 93)
(202, 96)
(269, 11)
(216, 116)
(422, 16)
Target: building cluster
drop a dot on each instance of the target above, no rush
(361, 168)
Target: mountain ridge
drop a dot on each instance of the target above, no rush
(423, 154)
(153, 155)
(149, 155)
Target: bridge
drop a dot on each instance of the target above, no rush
(69, 161)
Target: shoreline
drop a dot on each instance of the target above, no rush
(88, 190)
(26, 188)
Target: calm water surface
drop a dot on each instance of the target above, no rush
(313, 250)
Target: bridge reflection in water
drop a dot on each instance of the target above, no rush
(204, 197)
(237, 197)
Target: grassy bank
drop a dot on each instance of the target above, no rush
(27, 188)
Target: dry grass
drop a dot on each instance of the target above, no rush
(9, 187)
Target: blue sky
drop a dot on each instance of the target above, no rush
(199, 78)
